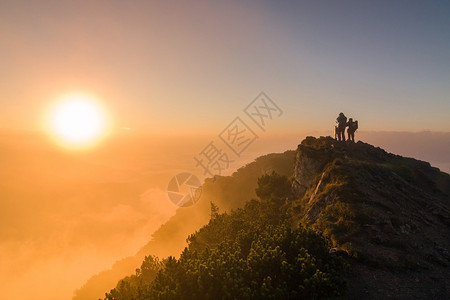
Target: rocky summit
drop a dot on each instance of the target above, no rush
(388, 215)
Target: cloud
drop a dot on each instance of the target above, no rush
(68, 216)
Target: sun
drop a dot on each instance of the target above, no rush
(77, 121)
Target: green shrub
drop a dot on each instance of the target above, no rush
(250, 253)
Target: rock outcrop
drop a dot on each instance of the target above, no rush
(389, 213)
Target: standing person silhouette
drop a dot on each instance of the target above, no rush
(342, 123)
(352, 126)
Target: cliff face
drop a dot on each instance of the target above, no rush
(390, 214)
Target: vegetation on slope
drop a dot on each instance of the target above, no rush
(250, 253)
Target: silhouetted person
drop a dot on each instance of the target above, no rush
(352, 126)
(342, 123)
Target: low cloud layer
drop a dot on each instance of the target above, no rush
(66, 216)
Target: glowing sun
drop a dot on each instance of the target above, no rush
(77, 121)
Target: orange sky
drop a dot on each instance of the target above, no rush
(175, 66)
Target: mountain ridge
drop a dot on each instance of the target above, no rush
(386, 214)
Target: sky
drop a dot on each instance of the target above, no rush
(171, 76)
(173, 66)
